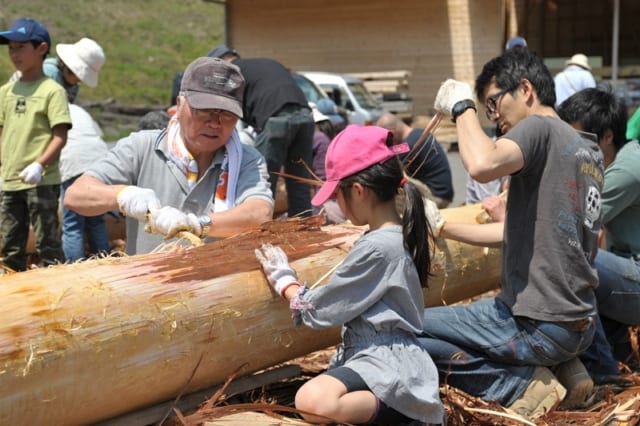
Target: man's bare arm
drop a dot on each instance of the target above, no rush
(89, 196)
(484, 159)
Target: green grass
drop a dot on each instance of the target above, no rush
(145, 41)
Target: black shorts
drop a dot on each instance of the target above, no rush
(353, 382)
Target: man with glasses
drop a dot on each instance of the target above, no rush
(489, 192)
(503, 348)
(194, 176)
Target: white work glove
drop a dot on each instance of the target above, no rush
(136, 202)
(168, 221)
(31, 174)
(434, 217)
(450, 93)
(275, 265)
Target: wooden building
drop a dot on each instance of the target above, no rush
(432, 39)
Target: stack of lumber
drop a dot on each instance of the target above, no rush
(381, 82)
(89, 341)
(391, 88)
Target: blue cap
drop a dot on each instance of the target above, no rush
(25, 29)
(515, 42)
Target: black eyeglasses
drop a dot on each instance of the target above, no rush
(492, 102)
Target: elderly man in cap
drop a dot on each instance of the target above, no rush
(194, 176)
(277, 109)
(575, 77)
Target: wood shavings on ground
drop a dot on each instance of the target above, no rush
(274, 405)
(611, 406)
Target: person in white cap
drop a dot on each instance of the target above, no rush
(76, 63)
(575, 77)
(193, 176)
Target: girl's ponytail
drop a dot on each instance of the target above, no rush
(415, 228)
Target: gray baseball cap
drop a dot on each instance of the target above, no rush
(213, 83)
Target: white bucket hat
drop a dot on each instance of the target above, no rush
(84, 58)
(580, 60)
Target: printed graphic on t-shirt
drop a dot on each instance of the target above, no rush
(21, 105)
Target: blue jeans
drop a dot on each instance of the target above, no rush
(482, 349)
(287, 140)
(618, 296)
(74, 227)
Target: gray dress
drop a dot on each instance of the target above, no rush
(376, 295)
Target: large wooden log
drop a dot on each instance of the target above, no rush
(85, 342)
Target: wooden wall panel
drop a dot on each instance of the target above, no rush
(433, 39)
(560, 28)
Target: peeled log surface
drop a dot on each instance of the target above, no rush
(461, 270)
(85, 342)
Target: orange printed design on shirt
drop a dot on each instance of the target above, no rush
(221, 189)
(223, 179)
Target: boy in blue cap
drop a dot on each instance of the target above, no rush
(34, 119)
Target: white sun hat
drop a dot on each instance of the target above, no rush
(84, 58)
(580, 60)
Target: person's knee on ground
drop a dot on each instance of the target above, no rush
(575, 378)
(328, 398)
(313, 398)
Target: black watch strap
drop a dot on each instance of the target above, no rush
(460, 107)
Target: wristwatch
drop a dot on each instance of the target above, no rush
(205, 224)
(460, 107)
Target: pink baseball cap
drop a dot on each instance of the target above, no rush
(352, 150)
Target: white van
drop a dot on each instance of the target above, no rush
(349, 93)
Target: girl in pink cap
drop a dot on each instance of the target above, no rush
(380, 373)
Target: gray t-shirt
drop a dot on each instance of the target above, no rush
(376, 295)
(141, 159)
(552, 222)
